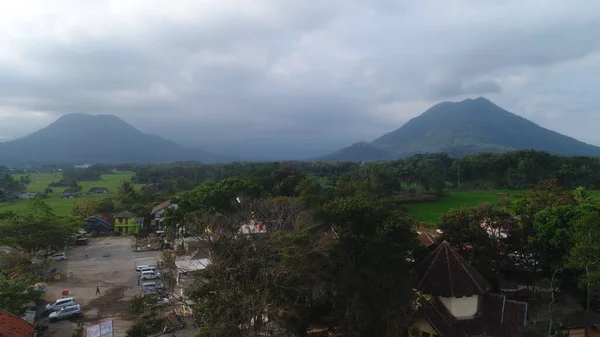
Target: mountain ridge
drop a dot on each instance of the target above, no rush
(467, 127)
(80, 137)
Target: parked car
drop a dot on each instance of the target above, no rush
(138, 269)
(151, 288)
(152, 269)
(59, 304)
(149, 275)
(66, 312)
(59, 257)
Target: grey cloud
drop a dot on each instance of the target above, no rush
(454, 87)
(298, 72)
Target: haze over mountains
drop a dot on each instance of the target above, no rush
(466, 127)
(82, 138)
(457, 128)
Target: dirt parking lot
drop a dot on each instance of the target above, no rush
(110, 265)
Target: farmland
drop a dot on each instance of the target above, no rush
(40, 181)
(430, 212)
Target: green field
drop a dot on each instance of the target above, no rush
(39, 182)
(430, 212)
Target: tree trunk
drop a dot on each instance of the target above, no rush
(551, 303)
(587, 311)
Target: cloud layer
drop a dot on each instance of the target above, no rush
(293, 78)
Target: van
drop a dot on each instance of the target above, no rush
(60, 303)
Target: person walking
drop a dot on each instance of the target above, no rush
(97, 290)
(86, 255)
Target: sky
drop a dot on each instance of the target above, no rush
(291, 79)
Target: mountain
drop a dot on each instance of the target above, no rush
(82, 138)
(361, 151)
(472, 126)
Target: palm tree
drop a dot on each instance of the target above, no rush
(581, 195)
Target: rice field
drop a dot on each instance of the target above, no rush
(40, 181)
(431, 212)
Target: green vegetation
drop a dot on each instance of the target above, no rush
(431, 212)
(40, 181)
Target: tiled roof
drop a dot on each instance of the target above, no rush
(445, 273)
(496, 317)
(426, 239)
(160, 206)
(105, 218)
(13, 326)
(438, 316)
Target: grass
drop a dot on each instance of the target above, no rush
(40, 181)
(431, 212)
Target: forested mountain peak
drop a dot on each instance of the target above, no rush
(467, 127)
(80, 138)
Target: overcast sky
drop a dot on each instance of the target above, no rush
(295, 78)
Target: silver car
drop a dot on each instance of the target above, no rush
(59, 304)
(66, 312)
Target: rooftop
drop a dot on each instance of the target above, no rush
(445, 273)
(13, 326)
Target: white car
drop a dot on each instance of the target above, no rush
(148, 275)
(152, 268)
(59, 257)
(139, 269)
(66, 312)
(60, 303)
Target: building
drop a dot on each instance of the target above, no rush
(157, 212)
(70, 193)
(125, 222)
(98, 190)
(29, 195)
(459, 301)
(13, 326)
(99, 224)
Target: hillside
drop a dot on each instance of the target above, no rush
(472, 126)
(82, 138)
(361, 151)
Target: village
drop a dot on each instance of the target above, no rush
(109, 264)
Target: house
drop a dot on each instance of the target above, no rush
(157, 212)
(125, 222)
(98, 190)
(188, 272)
(99, 224)
(574, 323)
(29, 195)
(13, 326)
(70, 193)
(459, 301)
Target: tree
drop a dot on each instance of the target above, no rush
(272, 274)
(478, 235)
(126, 192)
(89, 206)
(370, 297)
(16, 283)
(585, 251)
(37, 229)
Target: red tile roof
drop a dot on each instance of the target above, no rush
(106, 218)
(496, 317)
(160, 206)
(426, 239)
(13, 326)
(445, 273)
